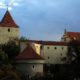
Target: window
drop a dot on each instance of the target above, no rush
(48, 57)
(47, 47)
(8, 30)
(62, 48)
(55, 47)
(33, 66)
(41, 47)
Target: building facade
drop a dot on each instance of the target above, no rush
(68, 36)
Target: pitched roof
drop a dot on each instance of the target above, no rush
(48, 42)
(7, 21)
(73, 35)
(28, 53)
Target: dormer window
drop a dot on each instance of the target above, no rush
(8, 30)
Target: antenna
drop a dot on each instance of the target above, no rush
(7, 6)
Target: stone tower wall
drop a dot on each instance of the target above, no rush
(8, 33)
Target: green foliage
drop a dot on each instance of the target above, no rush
(11, 48)
(73, 53)
(23, 38)
(3, 57)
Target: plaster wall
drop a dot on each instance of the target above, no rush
(30, 68)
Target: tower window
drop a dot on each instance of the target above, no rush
(47, 47)
(48, 57)
(33, 66)
(8, 30)
(55, 47)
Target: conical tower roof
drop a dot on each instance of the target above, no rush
(7, 21)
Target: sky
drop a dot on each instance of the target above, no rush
(43, 19)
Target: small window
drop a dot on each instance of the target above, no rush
(33, 66)
(48, 57)
(8, 30)
(55, 47)
(47, 47)
(62, 48)
(41, 47)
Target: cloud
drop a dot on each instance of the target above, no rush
(9, 8)
(11, 3)
(1, 3)
(15, 4)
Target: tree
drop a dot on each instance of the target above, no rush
(73, 54)
(8, 73)
(11, 49)
(22, 38)
(73, 57)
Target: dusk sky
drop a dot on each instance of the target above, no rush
(43, 19)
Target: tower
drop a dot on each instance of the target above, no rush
(9, 30)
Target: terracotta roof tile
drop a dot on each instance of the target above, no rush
(48, 42)
(28, 53)
(7, 21)
(73, 35)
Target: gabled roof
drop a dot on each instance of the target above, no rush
(48, 42)
(7, 21)
(74, 35)
(28, 53)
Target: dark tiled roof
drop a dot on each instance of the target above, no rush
(73, 35)
(48, 42)
(28, 53)
(7, 21)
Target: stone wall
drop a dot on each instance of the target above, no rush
(8, 33)
(53, 54)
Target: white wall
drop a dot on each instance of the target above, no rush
(30, 67)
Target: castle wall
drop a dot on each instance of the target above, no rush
(53, 54)
(8, 33)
